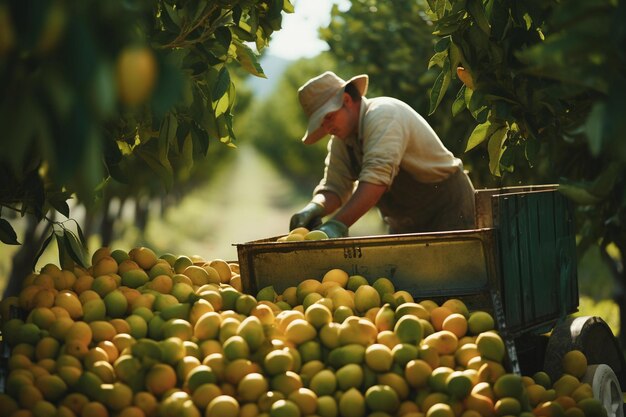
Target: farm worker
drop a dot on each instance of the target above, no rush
(381, 153)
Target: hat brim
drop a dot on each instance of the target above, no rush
(314, 131)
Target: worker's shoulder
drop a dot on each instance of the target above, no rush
(384, 103)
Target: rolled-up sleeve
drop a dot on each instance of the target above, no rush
(338, 176)
(384, 144)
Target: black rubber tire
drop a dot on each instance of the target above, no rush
(592, 336)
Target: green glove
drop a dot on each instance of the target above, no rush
(334, 228)
(310, 217)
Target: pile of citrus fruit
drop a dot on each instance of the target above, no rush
(136, 335)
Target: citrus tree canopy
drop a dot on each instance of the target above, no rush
(98, 91)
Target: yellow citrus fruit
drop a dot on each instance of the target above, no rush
(336, 275)
(458, 384)
(490, 371)
(480, 403)
(52, 387)
(396, 382)
(443, 341)
(378, 357)
(456, 323)
(438, 315)
(236, 347)
(94, 409)
(408, 329)
(251, 386)
(70, 302)
(583, 391)
(160, 378)
(565, 385)
(366, 297)
(222, 268)
(382, 398)
(384, 286)
(351, 403)
(491, 346)
(222, 406)
(479, 322)
(324, 383)
(456, 306)
(143, 256)
(299, 331)
(508, 385)
(574, 363)
(278, 361)
(592, 407)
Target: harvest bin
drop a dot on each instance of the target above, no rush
(518, 264)
(522, 253)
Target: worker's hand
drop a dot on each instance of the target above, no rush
(310, 217)
(334, 228)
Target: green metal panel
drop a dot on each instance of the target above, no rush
(544, 282)
(537, 253)
(510, 259)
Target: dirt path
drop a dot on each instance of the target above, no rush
(246, 201)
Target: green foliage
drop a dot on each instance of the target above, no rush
(549, 82)
(95, 93)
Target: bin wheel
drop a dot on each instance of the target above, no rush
(606, 388)
(592, 336)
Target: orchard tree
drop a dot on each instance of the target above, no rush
(545, 80)
(100, 92)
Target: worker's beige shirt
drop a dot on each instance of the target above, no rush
(392, 136)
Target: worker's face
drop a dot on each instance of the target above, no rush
(344, 122)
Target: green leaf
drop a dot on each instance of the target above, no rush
(456, 58)
(76, 249)
(151, 155)
(43, 248)
(439, 87)
(200, 139)
(438, 59)
(222, 105)
(496, 148)
(221, 85)
(288, 7)
(459, 102)
(248, 59)
(477, 11)
(200, 8)
(167, 135)
(479, 135)
(58, 200)
(7, 234)
(594, 127)
(65, 258)
(604, 183)
(443, 30)
(208, 123)
(531, 150)
(442, 44)
(578, 194)
(440, 7)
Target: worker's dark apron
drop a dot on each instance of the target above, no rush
(410, 206)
